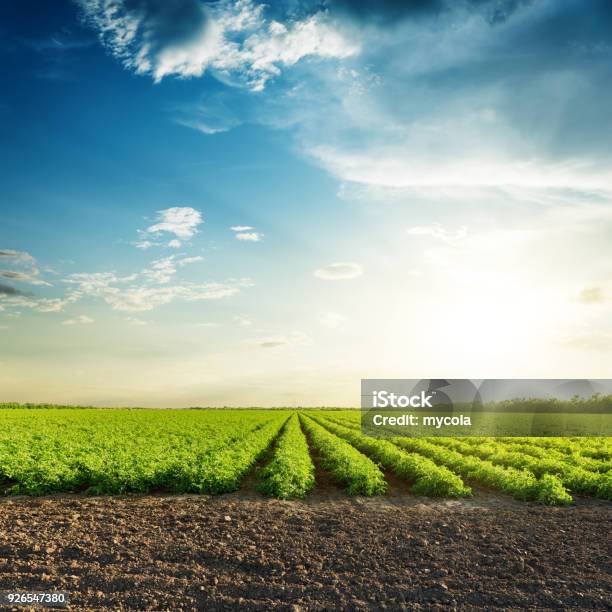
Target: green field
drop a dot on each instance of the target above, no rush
(111, 451)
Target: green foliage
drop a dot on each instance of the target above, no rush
(48, 450)
(290, 472)
(120, 451)
(345, 463)
(599, 448)
(427, 477)
(575, 478)
(532, 450)
(519, 483)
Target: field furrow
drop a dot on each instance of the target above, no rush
(426, 477)
(345, 463)
(520, 483)
(222, 472)
(576, 479)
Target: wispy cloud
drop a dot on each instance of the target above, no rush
(27, 269)
(233, 39)
(181, 221)
(214, 113)
(9, 290)
(137, 292)
(20, 256)
(131, 294)
(249, 236)
(339, 271)
(200, 126)
(16, 298)
(245, 233)
(162, 270)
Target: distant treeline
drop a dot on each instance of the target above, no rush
(31, 406)
(597, 404)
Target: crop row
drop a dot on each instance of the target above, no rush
(290, 472)
(520, 483)
(579, 474)
(426, 477)
(122, 451)
(540, 452)
(596, 448)
(344, 462)
(118, 451)
(575, 478)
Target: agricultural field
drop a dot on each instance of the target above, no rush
(116, 451)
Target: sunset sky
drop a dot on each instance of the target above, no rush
(238, 203)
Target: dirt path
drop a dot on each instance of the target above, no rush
(330, 552)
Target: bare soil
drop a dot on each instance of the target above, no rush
(329, 552)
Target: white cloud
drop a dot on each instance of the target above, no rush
(245, 233)
(49, 304)
(189, 260)
(80, 320)
(145, 244)
(249, 236)
(232, 38)
(162, 270)
(130, 294)
(141, 291)
(37, 304)
(400, 166)
(27, 269)
(332, 320)
(200, 126)
(18, 256)
(339, 271)
(182, 221)
(242, 321)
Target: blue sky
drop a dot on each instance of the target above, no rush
(416, 189)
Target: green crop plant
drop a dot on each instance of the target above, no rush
(290, 472)
(426, 477)
(520, 483)
(344, 462)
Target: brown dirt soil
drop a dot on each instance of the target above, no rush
(329, 552)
